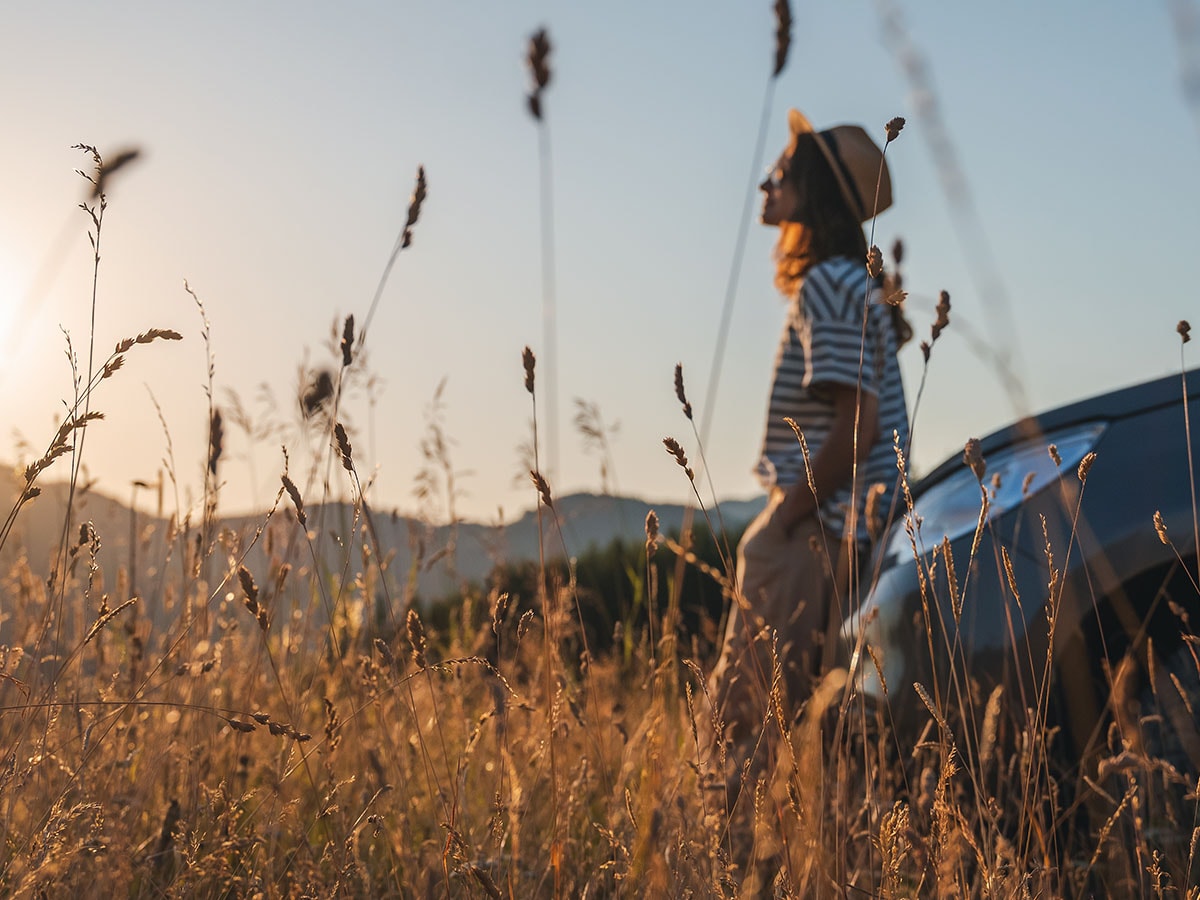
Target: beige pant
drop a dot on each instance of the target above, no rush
(792, 603)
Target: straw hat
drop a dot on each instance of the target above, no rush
(856, 161)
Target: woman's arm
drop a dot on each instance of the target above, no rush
(833, 465)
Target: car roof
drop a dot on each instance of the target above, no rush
(1137, 398)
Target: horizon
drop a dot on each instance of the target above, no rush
(143, 505)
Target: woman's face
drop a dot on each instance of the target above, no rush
(781, 199)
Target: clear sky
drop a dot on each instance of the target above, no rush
(280, 144)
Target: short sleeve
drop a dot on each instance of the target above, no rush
(833, 301)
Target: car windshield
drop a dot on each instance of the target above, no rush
(950, 508)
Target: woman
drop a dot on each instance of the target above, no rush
(837, 379)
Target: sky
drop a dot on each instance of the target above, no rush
(1047, 178)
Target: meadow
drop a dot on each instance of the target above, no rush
(274, 710)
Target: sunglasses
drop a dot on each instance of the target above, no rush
(778, 171)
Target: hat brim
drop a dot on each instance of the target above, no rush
(799, 123)
(856, 161)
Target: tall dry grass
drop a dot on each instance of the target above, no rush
(300, 731)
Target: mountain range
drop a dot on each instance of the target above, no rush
(446, 556)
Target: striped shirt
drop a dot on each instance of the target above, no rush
(827, 342)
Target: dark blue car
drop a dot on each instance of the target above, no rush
(1106, 555)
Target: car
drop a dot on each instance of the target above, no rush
(1053, 566)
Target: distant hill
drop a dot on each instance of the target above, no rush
(587, 521)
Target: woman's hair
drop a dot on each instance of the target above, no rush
(823, 227)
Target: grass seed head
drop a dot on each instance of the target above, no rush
(943, 314)
(250, 589)
(416, 637)
(680, 394)
(348, 341)
(877, 662)
(1184, 330)
(676, 450)
(930, 705)
(384, 651)
(956, 599)
(1160, 527)
(499, 611)
(874, 262)
(991, 721)
(317, 393)
(894, 127)
(154, 334)
(1027, 482)
(106, 615)
(651, 530)
(345, 450)
(783, 35)
(529, 361)
(973, 457)
(247, 582)
(216, 440)
(524, 623)
(1085, 465)
(297, 500)
(415, 203)
(333, 725)
(538, 60)
(1009, 573)
(543, 488)
(147, 337)
(1054, 454)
